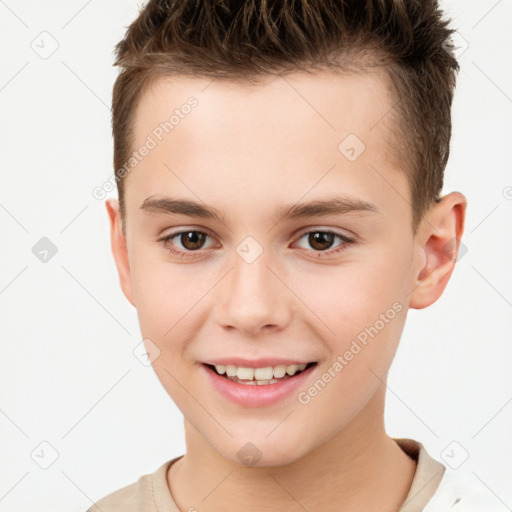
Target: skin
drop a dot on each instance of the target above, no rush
(248, 150)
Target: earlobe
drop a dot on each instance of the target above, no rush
(120, 248)
(438, 243)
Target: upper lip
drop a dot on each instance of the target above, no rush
(261, 362)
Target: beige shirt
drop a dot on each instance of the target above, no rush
(151, 493)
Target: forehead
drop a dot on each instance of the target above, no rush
(287, 131)
(289, 105)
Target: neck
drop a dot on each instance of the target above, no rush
(359, 469)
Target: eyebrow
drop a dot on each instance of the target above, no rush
(317, 208)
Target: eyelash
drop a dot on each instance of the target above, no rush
(191, 254)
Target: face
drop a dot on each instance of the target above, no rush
(245, 273)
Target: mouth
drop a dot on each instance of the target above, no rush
(264, 376)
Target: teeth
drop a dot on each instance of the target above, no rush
(230, 370)
(260, 376)
(279, 371)
(292, 369)
(263, 373)
(245, 373)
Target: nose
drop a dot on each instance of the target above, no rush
(252, 298)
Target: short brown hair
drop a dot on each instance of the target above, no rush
(241, 40)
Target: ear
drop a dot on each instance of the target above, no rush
(119, 248)
(437, 246)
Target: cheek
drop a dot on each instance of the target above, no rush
(157, 302)
(342, 301)
(363, 300)
(164, 293)
(353, 294)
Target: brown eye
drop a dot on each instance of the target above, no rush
(321, 240)
(192, 240)
(188, 243)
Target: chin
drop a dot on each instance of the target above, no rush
(262, 453)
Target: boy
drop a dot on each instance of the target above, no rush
(279, 166)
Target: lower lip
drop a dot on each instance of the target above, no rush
(248, 395)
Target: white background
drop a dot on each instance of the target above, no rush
(68, 374)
